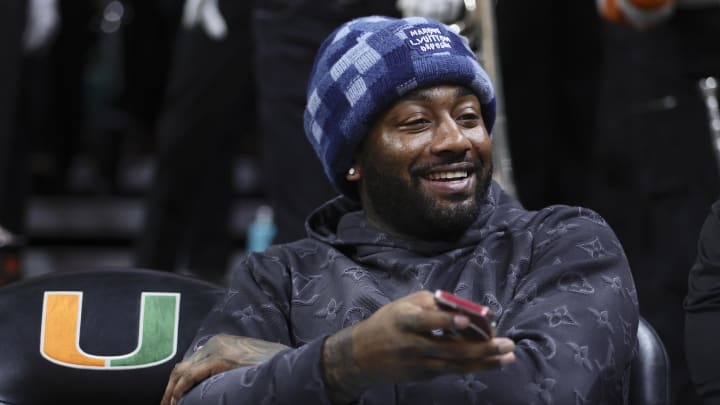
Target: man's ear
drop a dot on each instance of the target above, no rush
(353, 173)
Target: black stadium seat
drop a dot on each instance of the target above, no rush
(650, 374)
(97, 337)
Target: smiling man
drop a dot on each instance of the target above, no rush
(400, 113)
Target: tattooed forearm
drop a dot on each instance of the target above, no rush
(342, 376)
(237, 351)
(220, 354)
(253, 351)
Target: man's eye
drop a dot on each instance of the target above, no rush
(414, 123)
(469, 119)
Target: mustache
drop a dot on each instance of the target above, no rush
(425, 168)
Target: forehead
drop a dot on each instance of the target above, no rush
(428, 93)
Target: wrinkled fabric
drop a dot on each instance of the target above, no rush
(557, 279)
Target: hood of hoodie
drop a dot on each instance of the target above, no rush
(342, 223)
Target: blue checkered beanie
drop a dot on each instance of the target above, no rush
(365, 66)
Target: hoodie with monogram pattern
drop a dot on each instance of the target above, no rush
(557, 279)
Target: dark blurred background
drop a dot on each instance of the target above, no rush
(85, 104)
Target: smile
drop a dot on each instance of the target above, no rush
(448, 175)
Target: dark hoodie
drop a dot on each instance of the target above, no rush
(557, 279)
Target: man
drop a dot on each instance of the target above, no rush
(399, 112)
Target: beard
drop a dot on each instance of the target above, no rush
(407, 210)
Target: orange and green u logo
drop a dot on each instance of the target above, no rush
(157, 335)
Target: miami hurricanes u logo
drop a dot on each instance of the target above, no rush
(157, 332)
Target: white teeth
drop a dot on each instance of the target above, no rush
(448, 175)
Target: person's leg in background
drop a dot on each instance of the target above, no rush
(148, 41)
(56, 120)
(549, 51)
(208, 107)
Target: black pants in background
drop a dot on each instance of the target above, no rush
(208, 107)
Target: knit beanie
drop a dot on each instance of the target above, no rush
(365, 66)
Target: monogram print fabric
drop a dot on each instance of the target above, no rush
(557, 279)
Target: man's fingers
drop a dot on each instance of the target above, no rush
(189, 378)
(168, 393)
(171, 385)
(417, 319)
(442, 365)
(419, 313)
(489, 363)
(184, 376)
(476, 350)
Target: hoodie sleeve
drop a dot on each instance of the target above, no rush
(256, 305)
(573, 316)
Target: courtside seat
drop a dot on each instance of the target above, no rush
(650, 373)
(97, 337)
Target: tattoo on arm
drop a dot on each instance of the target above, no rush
(343, 381)
(239, 351)
(256, 351)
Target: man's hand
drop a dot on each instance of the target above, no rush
(397, 344)
(221, 353)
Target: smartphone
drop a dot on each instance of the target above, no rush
(482, 322)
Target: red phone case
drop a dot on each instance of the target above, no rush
(482, 323)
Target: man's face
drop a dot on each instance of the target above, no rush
(426, 165)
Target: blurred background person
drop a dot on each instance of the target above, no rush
(207, 110)
(550, 51)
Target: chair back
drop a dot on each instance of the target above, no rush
(650, 373)
(101, 337)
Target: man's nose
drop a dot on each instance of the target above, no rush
(450, 137)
